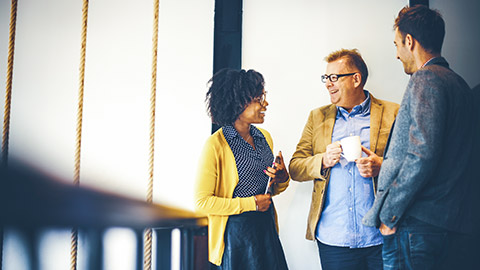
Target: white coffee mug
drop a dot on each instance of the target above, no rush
(352, 148)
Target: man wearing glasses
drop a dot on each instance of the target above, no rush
(335, 214)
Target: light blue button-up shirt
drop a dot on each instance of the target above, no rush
(349, 195)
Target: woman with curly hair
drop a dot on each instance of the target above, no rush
(235, 169)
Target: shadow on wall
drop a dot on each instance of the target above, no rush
(476, 93)
(476, 89)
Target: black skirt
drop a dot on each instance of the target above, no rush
(252, 242)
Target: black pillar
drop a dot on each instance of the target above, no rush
(139, 236)
(227, 44)
(95, 248)
(164, 248)
(227, 37)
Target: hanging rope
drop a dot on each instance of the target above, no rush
(8, 101)
(78, 146)
(8, 90)
(147, 249)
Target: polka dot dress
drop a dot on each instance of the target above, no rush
(250, 162)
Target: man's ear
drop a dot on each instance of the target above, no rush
(409, 42)
(357, 77)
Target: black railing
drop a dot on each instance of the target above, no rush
(31, 202)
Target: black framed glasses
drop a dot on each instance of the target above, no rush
(261, 99)
(334, 77)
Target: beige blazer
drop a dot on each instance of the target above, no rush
(306, 162)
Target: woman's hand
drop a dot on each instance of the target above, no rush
(263, 202)
(278, 172)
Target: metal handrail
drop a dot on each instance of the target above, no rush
(33, 201)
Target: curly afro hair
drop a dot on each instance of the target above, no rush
(230, 92)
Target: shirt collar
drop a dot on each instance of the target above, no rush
(362, 108)
(230, 132)
(439, 60)
(428, 62)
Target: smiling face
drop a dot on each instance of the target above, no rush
(343, 92)
(404, 54)
(254, 113)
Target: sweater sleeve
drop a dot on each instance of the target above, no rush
(215, 179)
(279, 187)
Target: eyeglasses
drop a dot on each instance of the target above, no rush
(334, 77)
(261, 99)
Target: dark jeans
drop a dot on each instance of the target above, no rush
(415, 245)
(342, 258)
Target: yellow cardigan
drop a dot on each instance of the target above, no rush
(217, 178)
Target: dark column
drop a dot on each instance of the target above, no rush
(164, 248)
(139, 255)
(32, 239)
(95, 248)
(186, 248)
(227, 43)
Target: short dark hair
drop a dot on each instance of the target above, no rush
(354, 59)
(424, 24)
(230, 91)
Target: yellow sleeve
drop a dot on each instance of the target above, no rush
(216, 180)
(280, 187)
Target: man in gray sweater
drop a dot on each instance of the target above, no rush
(426, 172)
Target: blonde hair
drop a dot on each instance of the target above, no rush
(354, 59)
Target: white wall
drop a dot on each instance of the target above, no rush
(286, 40)
(116, 116)
(115, 138)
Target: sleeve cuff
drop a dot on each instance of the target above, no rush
(391, 221)
(248, 204)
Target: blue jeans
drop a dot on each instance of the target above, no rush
(345, 258)
(415, 245)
